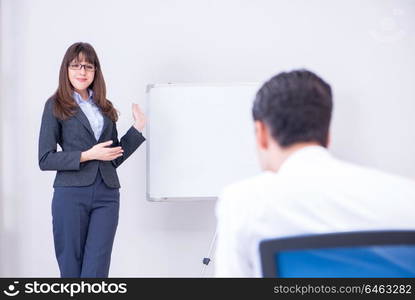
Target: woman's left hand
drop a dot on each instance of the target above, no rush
(139, 117)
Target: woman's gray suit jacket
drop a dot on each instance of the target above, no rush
(75, 135)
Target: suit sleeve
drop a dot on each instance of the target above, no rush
(49, 137)
(129, 143)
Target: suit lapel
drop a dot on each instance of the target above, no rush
(84, 120)
(107, 122)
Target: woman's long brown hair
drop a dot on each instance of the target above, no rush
(65, 106)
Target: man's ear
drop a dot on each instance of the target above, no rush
(261, 133)
(328, 139)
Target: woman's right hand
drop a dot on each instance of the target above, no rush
(101, 151)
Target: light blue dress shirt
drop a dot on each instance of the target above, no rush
(92, 112)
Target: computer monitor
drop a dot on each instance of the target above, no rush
(349, 254)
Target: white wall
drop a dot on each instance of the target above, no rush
(363, 48)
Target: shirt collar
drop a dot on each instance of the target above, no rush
(303, 158)
(79, 99)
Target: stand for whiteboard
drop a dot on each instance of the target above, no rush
(207, 259)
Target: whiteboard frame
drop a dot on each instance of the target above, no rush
(148, 89)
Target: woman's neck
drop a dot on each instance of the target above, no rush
(84, 94)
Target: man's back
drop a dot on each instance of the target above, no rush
(311, 193)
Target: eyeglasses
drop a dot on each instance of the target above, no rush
(87, 67)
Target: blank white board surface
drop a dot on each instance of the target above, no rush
(200, 137)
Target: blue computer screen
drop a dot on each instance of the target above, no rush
(384, 261)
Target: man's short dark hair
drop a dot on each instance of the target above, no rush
(296, 106)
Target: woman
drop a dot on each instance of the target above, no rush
(85, 202)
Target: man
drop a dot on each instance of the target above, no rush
(303, 188)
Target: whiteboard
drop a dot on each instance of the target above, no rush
(200, 137)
